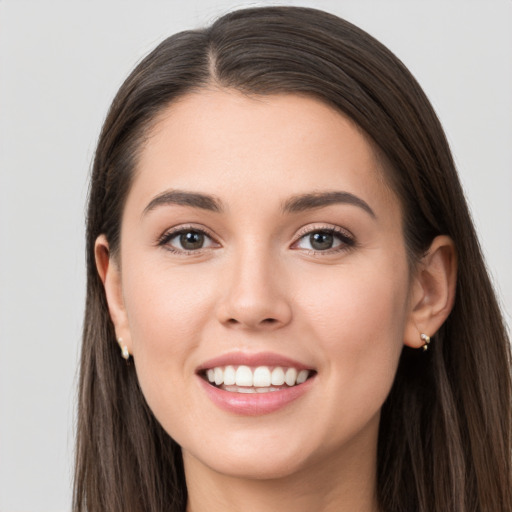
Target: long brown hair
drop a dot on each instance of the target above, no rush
(445, 433)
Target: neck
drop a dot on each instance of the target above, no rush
(345, 483)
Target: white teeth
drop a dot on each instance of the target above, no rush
(229, 376)
(258, 379)
(277, 376)
(245, 390)
(290, 376)
(235, 389)
(243, 376)
(261, 377)
(219, 376)
(302, 376)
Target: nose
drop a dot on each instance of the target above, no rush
(255, 295)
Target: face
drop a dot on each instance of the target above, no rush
(262, 249)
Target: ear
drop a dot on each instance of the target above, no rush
(432, 291)
(110, 275)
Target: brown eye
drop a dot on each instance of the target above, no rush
(191, 240)
(324, 240)
(321, 240)
(187, 240)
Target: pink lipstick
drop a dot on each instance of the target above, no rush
(254, 384)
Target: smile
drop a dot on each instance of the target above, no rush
(261, 379)
(255, 384)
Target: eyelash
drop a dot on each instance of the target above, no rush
(345, 239)
(165, 239)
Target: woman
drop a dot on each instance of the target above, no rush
(279, 247)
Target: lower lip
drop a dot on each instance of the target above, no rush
(255, 404)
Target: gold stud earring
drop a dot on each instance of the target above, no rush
(426, 341)
(124, 349)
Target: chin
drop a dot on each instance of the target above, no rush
(262, 465)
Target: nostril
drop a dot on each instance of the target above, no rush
(265, 321)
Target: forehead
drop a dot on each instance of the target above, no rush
(216, 117)
(222, 141)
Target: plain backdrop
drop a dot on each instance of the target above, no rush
(60, 66)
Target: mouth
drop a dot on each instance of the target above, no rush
(255, 379)
(255, 384)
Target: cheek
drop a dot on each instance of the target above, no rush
(167, 311)
(358, 319)
(364, 304)
(166, 308)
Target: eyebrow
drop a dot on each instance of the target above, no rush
(184, 198)
(305, 202)
(295, 204)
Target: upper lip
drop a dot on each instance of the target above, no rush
(253, 360)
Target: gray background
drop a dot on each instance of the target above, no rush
(61, 64)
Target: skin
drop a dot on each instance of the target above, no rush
(257, 286)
